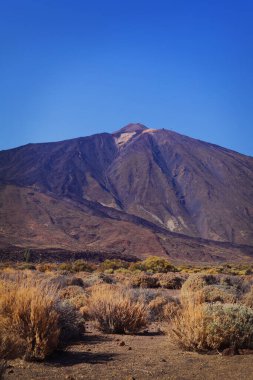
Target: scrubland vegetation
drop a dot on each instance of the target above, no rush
(44, 307)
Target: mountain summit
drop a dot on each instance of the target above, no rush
(132, 127)
(138, 190)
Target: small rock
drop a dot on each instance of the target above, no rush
(163, 360)
(122, 343)
(129, 348)
(11, 371)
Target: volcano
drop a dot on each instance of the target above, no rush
(137, 191)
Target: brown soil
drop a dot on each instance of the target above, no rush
(146, 356)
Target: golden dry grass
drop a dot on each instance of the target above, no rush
(188, 328)
(28, 319)
(116, 310)
(34, 320)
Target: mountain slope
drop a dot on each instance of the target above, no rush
(176, 183)
(29, 218)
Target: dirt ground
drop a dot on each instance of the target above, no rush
(146, 356)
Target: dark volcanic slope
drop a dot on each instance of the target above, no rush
(180, 184)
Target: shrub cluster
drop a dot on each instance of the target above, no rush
(215, 314)
(158, 280)
(199, 326)
(41, 311)
(77, 266)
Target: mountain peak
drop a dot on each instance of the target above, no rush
(132, 127)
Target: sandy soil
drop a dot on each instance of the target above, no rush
(146, 356)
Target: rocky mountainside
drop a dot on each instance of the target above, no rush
(137, 191)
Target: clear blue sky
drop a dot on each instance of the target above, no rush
(71, 68)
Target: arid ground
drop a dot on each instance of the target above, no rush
(145, 356)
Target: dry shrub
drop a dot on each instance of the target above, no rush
(235, 284)
(198, 326)
(224, 289)
(79, 301)
(116, 310)
(46, 267)
(188, 326)
(171, 310)
(12, 276)
(75, 281)
(216, 293)
(95, 278)
(58, 282)
(75, 295)
(71, 291)
(32, 318)
(196, 282)
(29, 317)
(142, 280)
(161, 308)
(71, 322)
(84, 311)
(170, 280)
(77, 266)
(248, 298)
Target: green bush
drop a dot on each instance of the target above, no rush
(113, 265)
(229, 325)
(82, 266)
(77, 266)
(66, 267)
(154, 264)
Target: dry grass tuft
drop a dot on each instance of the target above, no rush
(116, 310)
(29, 320)
(188, 328)
(33, 318)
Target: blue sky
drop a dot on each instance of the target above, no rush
(71, 68)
